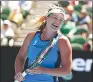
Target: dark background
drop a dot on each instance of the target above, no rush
(8, 55)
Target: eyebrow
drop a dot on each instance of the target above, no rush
(56, 16)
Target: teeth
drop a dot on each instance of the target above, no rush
(55, 25)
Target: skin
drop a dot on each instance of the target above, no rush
(5, 26)
(63, 45)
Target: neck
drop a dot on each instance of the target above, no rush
(48, 35)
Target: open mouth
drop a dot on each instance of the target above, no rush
(54, 26)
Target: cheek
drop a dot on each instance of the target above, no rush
(49, 21)
(60, 22)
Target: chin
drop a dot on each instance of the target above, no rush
(54, 30)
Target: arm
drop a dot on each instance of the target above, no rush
(20, 59)
(66, 59)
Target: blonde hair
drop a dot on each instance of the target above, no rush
(51, 10)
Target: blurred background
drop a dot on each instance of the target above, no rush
(18, 18)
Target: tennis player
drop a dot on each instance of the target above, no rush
(58, 63)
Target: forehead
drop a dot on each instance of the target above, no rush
(58, 15)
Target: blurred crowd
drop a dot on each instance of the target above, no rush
(12, 15)
(77, 25)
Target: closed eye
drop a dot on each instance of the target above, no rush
(61, 20)
(54, 17)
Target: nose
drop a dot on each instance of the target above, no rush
(57, 22)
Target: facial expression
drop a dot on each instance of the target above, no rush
(54, 21)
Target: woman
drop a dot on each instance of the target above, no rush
(33, 44)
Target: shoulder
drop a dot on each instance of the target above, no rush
(29, 37)
(63, 39)
(64, 42)
(31, 34)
